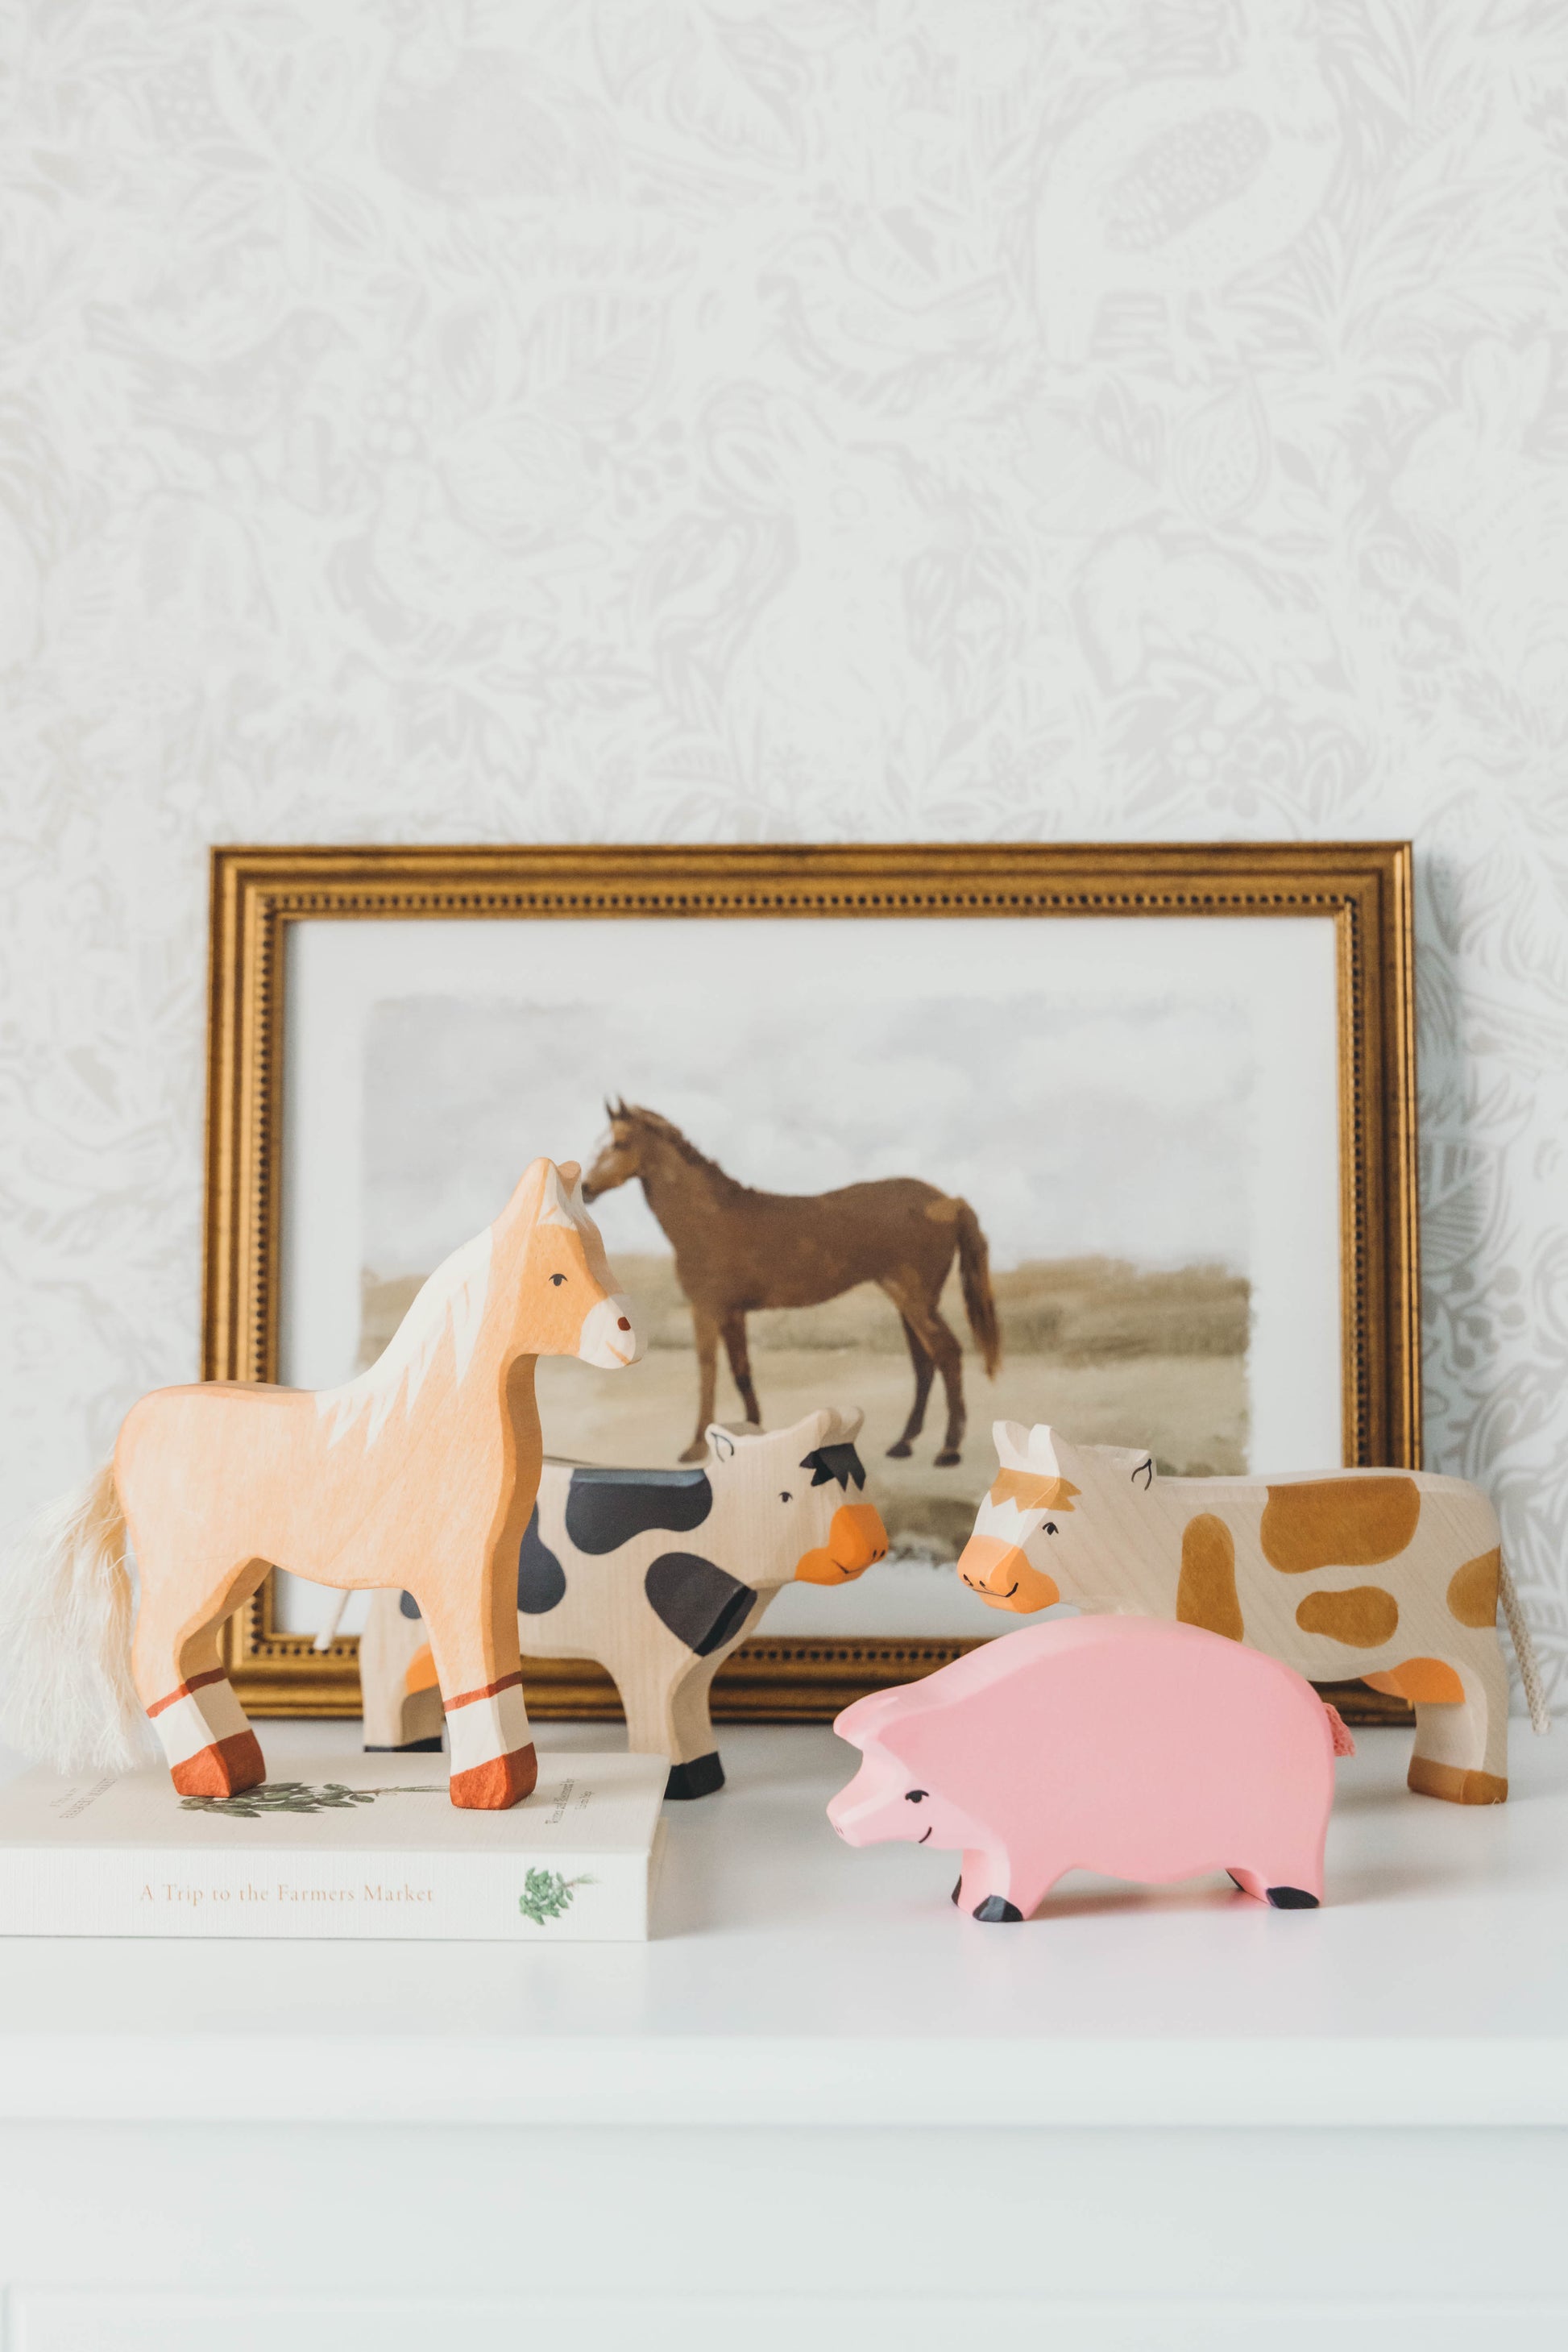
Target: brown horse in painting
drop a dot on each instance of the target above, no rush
(737, 1250)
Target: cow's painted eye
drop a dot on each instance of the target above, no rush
(1050, 1528)
(558, 1280)
(783, 1495)
(916, 1796)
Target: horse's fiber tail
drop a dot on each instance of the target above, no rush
(65, 1611)
(974, 1274)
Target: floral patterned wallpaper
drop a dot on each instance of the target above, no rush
(560, 419)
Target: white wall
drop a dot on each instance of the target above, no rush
(564, 421)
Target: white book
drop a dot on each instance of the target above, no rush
(357, 1846)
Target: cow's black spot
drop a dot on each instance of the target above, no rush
(702, 1606)
(1291, 1899)
(996, 1906)
(698, 1779)
(409, 1606)
(541, 1578)
(606, 1508)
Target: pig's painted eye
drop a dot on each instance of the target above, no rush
(916, 1796)
(783, 1495)
(1050, 1528)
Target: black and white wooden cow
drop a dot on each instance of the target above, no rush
(656, 1575)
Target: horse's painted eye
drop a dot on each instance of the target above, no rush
(1050, 1528)
(916, 1796)
(783, 1493)
(558, 1280)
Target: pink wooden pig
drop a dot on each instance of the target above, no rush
(1139, 1748)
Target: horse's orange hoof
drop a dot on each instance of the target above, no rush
(504, 1781)
(224, 1769)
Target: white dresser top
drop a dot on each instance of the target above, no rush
(792, 1979)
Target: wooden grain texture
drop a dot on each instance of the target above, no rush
(422, 1471)
(656, 1577)
(1372, 1573)
(1144, 1751)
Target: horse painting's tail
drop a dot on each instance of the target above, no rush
(66, 1611)
(974, 1274)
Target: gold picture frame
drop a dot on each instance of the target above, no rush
(1366, 888)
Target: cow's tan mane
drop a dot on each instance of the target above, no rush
(1029, 1490)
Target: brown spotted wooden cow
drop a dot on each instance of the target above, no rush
(1389, 1575)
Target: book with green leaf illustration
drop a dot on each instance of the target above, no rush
(357, 1846)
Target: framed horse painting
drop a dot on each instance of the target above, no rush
(1119, 1138)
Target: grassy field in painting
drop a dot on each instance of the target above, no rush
(1105, 1352)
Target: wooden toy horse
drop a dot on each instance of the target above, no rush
(1270, 1563)
(656, 1575)
(736, 1250)
(424, 1469)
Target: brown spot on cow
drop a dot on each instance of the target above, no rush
(1338, 1523)
(1031, 1492)
(1363, 1618)
(1473, 1590)
(1428, 1680)
(1205, 1594)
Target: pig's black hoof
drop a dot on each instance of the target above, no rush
(1291, 1899)
(996, 1906)
(698, 1779)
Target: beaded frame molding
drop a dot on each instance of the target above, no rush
(1365, 887)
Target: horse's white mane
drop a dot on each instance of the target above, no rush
(452, 1298)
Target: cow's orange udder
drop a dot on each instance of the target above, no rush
(421, 1674)
(1430, 1680)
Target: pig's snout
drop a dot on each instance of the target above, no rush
(1002, 1576)
(855, 1813)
